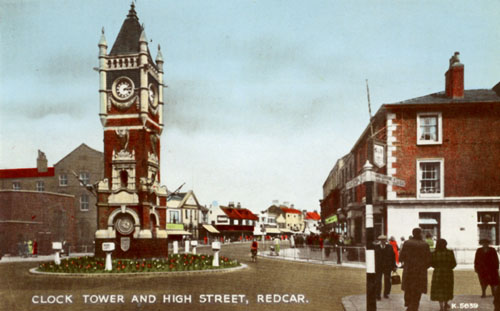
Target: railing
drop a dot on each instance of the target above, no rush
(349, 254)
(326, 254)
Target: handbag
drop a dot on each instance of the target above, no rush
(395, 278)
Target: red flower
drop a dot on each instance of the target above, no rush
(123, 266)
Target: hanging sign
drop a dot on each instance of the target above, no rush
(379, 155)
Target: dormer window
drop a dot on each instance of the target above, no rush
(429, 128)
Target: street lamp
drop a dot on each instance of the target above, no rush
(371, 302)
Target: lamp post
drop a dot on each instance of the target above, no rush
(371, 302)
(368, 177)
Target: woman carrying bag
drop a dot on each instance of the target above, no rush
(443, 262)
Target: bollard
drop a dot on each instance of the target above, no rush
(176, 247)
(57, 246)
(216, 249)
(194, 244)
(108, 247)
(186, 247)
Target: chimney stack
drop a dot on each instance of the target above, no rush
(455, 78)
(41, 162)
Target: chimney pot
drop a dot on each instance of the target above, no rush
(455, 78)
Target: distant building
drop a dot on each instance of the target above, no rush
(183, 208)
(311, 222)
(83, 161)
(233, 222)
(288, 219)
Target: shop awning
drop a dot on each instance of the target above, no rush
(210, 229)
(178, 232)
(272, 230)
(428, 221)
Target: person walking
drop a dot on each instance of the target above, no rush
(254, 247)
(395, 248)
(443, 261)
(486, 267)
(416, 258)
(385, 263)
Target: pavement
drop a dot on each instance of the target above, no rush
(396, 302)
(39, 258)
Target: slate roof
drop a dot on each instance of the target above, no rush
(470, 96)
(127, 41)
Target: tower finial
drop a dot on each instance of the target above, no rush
(102, 30)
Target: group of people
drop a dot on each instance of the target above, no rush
(416, 257)
(27, 248)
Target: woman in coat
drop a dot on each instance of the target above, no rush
(486, 267)
(443, 262)
(395, 248)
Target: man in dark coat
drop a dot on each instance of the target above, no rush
(416, 257)
(385, 263)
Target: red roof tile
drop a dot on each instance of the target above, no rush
(313, 216)
(290, 210)
(26, 173)
(239, 213)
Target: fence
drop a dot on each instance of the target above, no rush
(351, 254)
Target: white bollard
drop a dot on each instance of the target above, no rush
(194, 244)
(109, 262)
(57, 246)
(186, 247)
(176, 247)
(108, 247)
(216, 249)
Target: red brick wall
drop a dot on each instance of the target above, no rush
(470, 149)
(25, 214)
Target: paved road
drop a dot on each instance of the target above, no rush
(305, 286)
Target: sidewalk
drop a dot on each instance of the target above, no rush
(396, 302)
(6, 259)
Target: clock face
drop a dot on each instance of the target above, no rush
(123, 88)
(153, 101)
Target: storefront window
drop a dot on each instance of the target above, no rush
(487, 223)
(430, 224)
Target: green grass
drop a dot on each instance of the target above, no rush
(176, 262)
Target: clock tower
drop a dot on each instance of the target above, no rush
(131, 108)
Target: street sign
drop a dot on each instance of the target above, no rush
(379, 154)
(356, 181)
(375, 177)
(389, 180)
(108, 246)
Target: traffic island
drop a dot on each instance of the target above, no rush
(173, 263)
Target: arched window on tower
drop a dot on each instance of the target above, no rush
(123, 179)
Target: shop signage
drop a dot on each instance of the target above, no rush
(331, 219)
(175, 226)
(379, 155)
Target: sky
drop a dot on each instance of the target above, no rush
(263, 96)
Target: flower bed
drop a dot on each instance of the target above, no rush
(177, 262)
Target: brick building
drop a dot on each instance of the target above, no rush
(83, 161)
(445, 146)
(35, 215)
